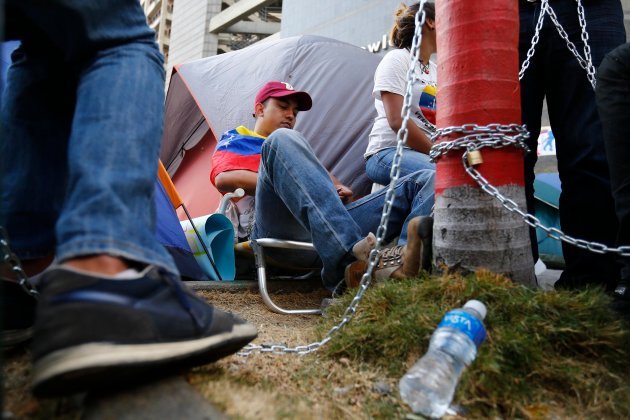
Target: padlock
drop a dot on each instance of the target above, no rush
(474, 158)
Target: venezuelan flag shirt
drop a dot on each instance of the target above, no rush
(391, 76)
(238, 149)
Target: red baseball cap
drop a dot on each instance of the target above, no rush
(281, 89)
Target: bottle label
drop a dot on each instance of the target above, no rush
(466, 323)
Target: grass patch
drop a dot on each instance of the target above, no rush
(547, 354)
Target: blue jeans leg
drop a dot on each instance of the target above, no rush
(586, 205)
(37, 108)
(295, 199)
(379, 166)
(85, 105)
(414, 196)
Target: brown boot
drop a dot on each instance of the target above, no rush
(361, 251)
(401, 261)
(390, 261)
(419, 249)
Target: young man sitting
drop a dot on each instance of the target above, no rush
(290, 195)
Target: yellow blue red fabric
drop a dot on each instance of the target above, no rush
(427, 103)
(238, 149)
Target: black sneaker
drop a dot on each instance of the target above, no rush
(18, 314)
(93, 333)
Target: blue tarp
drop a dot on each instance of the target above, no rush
(170, 234)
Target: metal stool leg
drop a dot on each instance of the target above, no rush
(261, 269)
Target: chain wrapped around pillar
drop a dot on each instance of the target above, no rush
(478, 84)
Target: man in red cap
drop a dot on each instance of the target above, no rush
(290, 195)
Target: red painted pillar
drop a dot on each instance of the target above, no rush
(478, 83)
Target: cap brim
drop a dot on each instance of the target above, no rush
(302, 98)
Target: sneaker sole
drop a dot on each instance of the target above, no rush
(98, 365)
(11, 338)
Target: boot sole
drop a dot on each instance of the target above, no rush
(100, 365)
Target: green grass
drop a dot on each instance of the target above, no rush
(547, 354)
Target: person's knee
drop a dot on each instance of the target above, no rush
(285, 140)
(615, 64)
(424, 178)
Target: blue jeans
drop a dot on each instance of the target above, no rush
(379, 166)
(82, 122)
(586, 204)
(296, 199)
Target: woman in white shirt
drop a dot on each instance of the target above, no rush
(390, 85)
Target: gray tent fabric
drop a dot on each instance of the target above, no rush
(338, 76)
(185, 124)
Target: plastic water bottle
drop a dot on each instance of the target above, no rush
(428, 387)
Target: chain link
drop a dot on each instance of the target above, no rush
(382, 230)
(476, 137)
(10, 259)
(585, 62)
(535, 39)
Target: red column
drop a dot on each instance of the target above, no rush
(478, 83)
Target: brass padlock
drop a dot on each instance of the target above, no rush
(474, 158)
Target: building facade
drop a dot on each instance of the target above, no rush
(365, 23)
(360, 22)
(192, 29)
(188, 30)
(159, 15)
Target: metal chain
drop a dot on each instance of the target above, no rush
(590, 68)
(9, 258)
(585, 62)
(496, 136)
(535, 39)
(382, 229)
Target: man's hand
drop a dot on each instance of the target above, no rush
(345, 193)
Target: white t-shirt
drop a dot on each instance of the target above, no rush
(391, 76)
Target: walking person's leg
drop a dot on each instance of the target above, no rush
(116, 325)
(586, 203)
(613, 103)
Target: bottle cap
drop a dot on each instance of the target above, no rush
(477, 306)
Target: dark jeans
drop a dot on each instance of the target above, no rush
(586, 203)
(613, 102)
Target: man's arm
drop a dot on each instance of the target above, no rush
(229, 181)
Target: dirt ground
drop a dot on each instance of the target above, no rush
(286, 386)
(247, 387)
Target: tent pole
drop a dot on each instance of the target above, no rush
(203, 244)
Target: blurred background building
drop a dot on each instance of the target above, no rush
(191, 29)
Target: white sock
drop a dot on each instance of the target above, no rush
(128, 274)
